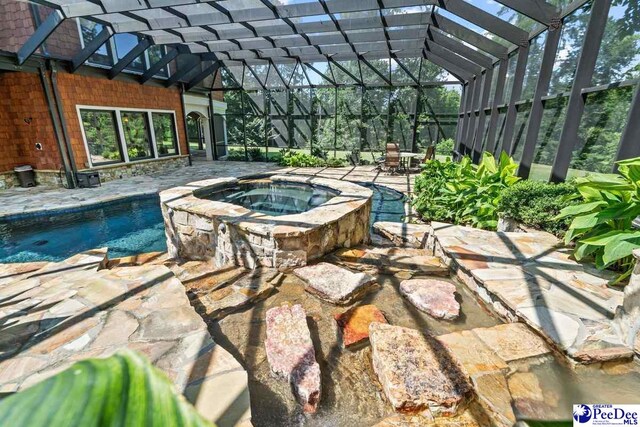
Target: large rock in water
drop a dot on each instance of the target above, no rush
(354, 324)
(291, 354)
(417, 372)
(434, 297)
(335, 284)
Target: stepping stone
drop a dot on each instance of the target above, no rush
(291, 354)
(513, 341)
(249, 289)
(335, 284)
(402, 234)
(494, 396)
(216, 280)
(154, 258)
(354, 324)
(475, 356)
(434, 297)
(391, 260)
(529, 398)
(417, 372)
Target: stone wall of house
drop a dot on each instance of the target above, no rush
(145, 167)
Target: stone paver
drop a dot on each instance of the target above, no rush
(474, 355)
(495, 397)
(403, 234)
(513, 341)
(417, 373)
(247, 290)
(391, 260)
(434, 297)
(354, 324)
(530, 276)
(335, 284)
(291, 354)
(68, 311)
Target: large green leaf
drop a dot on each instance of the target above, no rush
(615, 251)
(122, 390)
(580, 209)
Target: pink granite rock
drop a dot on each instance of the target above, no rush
(291, 354)
(335, 284)
(434, 297)
(417, 372)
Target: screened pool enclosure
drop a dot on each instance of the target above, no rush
(553, 83)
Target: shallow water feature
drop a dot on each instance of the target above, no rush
(273, 197)
(351, 395)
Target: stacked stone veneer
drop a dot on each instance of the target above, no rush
(143, 167)
(223, 233)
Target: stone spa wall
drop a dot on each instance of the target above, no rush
(225, 234)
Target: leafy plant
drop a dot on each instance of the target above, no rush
(303, 160)
(536, 204)
(124, 389)
(464, 193)
(601, 226)
(300, 160)
(445, 147)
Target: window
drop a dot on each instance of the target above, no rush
(100, 131)
(89, 31)
(136, 135)
(115, 135)
(165, 133)
(124, 43)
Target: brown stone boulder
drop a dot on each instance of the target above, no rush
(335, 284)
(434, 297)
(354, 324)
(291, 354)
(417, 372)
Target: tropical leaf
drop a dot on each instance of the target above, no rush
(122, 390)
(616, 251)
(580, 209)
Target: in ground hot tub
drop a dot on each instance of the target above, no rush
(277, 221)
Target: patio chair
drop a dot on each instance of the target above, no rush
(392, 158)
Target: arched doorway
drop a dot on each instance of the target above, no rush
(196, 135)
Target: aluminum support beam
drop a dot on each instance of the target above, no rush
(537, 106)
(129, 57)
(211, 69)
(475, 105)
(582, 79)
(497, 101)
(45, 29)
(91, 48)
(155, 68)
(538, 10)
(463, 100)
(438, 37)
(482, 116)
(481, 42)
(516, 93)
(465, 115)
(630, 141)
(183, 71)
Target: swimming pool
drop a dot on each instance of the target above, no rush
(127, 227)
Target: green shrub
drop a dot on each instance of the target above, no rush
(463, 193)
(601, 225)
(445, 147)
(536, 204)
(302, 160)
(299, 160)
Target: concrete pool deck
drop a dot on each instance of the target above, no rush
(24, 201)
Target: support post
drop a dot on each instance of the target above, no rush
(630, 141)
(537, 106)
(482, 117)
(582, 79)
(516, 93)
(497, 101)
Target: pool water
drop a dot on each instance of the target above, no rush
(127, 227)
(273, 197)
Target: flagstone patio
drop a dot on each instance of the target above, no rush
(530, 277)
(19, 201)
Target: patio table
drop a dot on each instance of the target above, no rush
(405, 159)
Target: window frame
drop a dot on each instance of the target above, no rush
(121, 136)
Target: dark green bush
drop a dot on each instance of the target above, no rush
(445, 147)
(536, 204)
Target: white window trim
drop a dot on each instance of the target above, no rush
(123, 141)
